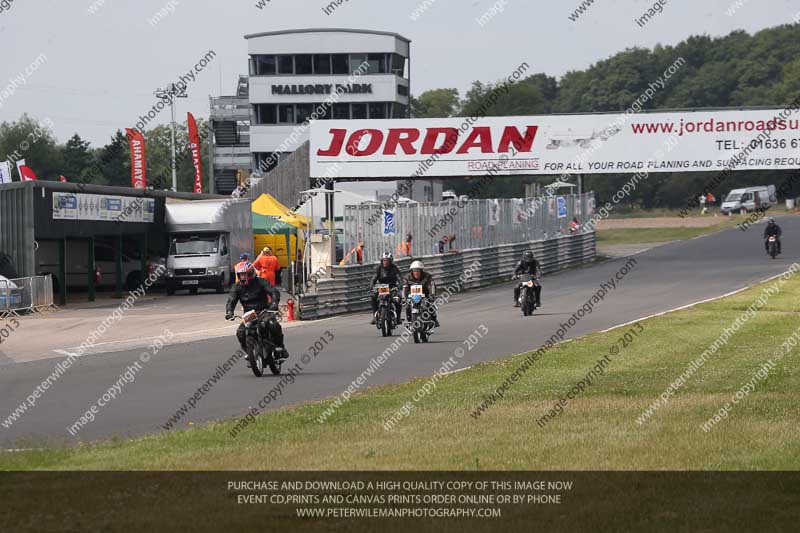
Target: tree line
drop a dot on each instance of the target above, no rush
(29, 139)
(735, 70)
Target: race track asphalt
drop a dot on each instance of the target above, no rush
(662, 278)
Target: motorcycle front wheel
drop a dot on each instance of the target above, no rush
(254, 357)
(383, 320)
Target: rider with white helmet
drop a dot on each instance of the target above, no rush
(418, 276)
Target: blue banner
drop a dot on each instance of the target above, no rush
(389, 223)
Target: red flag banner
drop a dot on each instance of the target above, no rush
(26, 173)
(62, 179)
(138, 159)
(194, 146)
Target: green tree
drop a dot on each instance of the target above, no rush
(32, 141)
(114, 162)
(437, 103)
(159, 156)
(77, 158)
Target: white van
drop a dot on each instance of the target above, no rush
(750, 199)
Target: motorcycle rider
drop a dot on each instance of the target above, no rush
(528, 265)
(256, 294)
(244, 258)
(389, 274)
(418, 276)
(772, 229)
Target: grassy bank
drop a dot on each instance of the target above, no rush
(597, 430)
(611, 237)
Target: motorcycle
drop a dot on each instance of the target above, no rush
(421, 323)
(772, 246)
(260, 348)
(527, 294)
(386, 318)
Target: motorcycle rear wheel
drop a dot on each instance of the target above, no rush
(274, 366)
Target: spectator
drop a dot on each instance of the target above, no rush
(574, 226)
(442, 244)
(298, 268)
(267, 265)
(702, 200)
(358, 251)
(710, 199)
(404, 248)
(450, 242)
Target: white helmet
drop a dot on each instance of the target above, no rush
(417, 265)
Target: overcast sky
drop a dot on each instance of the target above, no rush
(101, 69)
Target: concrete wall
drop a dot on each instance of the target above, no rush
(348, 289)
(287, 180)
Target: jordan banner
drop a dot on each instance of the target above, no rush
(607, 143)
(194, 146)
(138, 159)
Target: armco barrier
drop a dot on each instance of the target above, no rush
(347, 290)
(26, 295)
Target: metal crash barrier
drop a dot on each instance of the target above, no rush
(26, 295)
(345, 290)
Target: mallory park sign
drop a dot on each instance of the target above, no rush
(323, 88)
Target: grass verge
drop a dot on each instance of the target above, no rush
(610, 237)
(597, 431)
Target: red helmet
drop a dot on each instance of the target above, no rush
(246, 272)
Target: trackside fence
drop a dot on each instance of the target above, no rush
(474, 223)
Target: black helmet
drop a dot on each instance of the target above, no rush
(771, 221)
(527, 256)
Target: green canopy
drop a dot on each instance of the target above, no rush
(272, 225)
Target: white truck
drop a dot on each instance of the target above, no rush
(750, 199)
(206, 238)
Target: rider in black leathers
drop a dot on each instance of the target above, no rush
(528, 265)
(418, 276)
(772, 229)
(387, 273)
(256, 293)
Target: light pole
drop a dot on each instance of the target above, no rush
(171, 92)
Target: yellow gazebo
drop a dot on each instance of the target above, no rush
(278, 227)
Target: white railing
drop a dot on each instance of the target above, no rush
(26, 295)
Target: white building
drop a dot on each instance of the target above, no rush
(337, 73)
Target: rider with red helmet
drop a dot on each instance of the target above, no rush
(255, 294)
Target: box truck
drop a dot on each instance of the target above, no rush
(206, 238)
